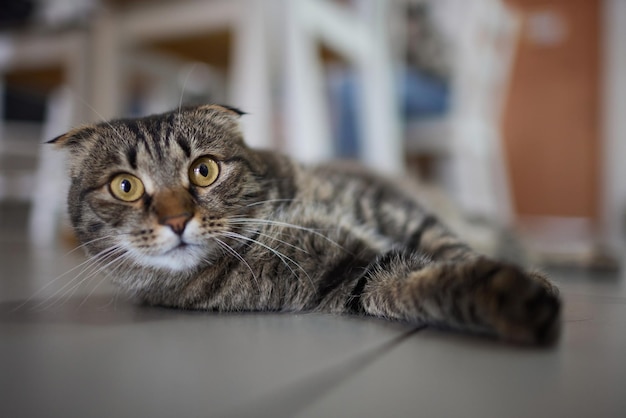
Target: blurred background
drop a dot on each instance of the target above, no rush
(507, 113)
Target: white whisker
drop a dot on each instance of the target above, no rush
(284, 224)
(99, 269)
(102, 118)
(83, 245)
(272, 201)
(238, 256)
(106, 276)
(182, 91)
(295, 247)
(89, 262)
(94, 264)
(280, 255)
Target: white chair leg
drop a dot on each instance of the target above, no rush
(2, 116)
(51, 184)
(307, 126)
(250, 76)
(380, 120)
(105, 84)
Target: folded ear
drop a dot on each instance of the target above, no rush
(59, 140)
(223, 108)
(72, 138)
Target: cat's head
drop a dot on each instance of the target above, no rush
(160, 191)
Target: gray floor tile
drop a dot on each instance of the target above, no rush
(92, 353)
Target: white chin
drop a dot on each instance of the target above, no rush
(176, 260)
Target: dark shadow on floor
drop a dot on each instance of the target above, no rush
(292, 399)
(101, 310)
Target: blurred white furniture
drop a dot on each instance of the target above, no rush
(124, 33)
(50, 180)
(361, 35)
(276, 48)
(45, 187)
(614, 127)
(483, 34)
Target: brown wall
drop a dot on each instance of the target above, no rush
(551, 124)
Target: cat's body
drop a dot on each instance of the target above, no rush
(187, 216)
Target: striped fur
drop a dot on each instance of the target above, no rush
(274, 235)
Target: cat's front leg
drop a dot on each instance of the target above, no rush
(478, 295)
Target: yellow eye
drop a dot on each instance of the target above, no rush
(126, 187)
(203, 172)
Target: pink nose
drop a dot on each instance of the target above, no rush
(176, 222)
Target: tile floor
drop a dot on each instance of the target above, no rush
(91, 353)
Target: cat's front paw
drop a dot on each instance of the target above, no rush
(520, 307)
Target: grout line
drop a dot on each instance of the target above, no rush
(295, 397)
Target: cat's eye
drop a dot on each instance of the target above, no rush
(203, 172)
(126, 187)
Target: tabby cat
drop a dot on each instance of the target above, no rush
(187, 216)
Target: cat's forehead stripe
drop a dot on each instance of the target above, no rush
(184, 145)
(131, 154)
(160, 131)
(154, 135)
(136, 131)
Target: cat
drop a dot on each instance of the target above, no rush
(188, 216)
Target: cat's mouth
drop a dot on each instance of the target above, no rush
(173, 254)
(181, 256)
(181, 246)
